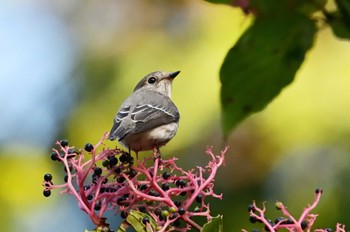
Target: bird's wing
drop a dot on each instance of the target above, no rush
(152, 115)
(118, 130)
(145, 113)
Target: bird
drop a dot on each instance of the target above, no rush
(148, 118)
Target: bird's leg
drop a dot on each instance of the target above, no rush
(156, 152)
(136, 153)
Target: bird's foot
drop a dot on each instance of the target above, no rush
(156, 154)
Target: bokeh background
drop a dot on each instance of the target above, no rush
(66, 66)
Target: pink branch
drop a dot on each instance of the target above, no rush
(311, 207)
(121, 185)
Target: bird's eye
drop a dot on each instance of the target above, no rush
(152, 80)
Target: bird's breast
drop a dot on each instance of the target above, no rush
(147, 140)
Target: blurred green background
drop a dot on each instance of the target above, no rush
(66, 66)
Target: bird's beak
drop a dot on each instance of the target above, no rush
(172, 75)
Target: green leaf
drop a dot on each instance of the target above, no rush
(309, 7)
(134, 219)
(344, 9)
(214, 225)
(263, 61)
(269, 8)
(340, 20)
(123, 226)
(339, 28)
(220, 1)
(103, 227)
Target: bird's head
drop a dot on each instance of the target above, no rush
(158, 81)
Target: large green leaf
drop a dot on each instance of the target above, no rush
(344, 9)
(275, 8)
(340, 28)
(263, 61)
(340, 20)
(214, 225)
(220, 1)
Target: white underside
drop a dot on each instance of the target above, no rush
(158, 136)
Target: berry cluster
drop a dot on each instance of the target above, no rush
(287, 221)
(110, 179)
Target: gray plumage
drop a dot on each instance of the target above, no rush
(148, 118)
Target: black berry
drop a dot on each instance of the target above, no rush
(153, 193)
(54, 156)
(165, 186)
(158, 211)
(118, 170)
(47, 192)
(120, 200)
(181, 211)
(150, 171)
(177, 203)
(180, 183)
(94, 178)
(97, 207)
(166, 175)
(64, 142)
(123, 214)
(132, 173)
(89, 147)
(98, 171)
(143, 187)
(142, 209)
(303, 224)
(253, 219)
(124, 157)
(251, 208)
(173, 216)
(113, 161)
(48, 177)
(288, 222)
(71, 153)
(266, 227)
(69, 167)
(145, 220)
(199, 198)
(318, 190)
(105, 163)
(277, 220)
(120, 179)
(130, 160)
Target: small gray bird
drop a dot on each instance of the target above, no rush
(148, 118)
